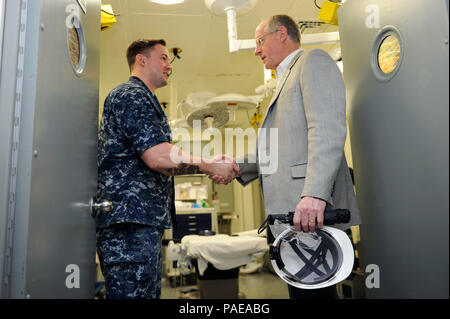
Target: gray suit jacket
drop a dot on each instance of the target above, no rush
(304, 155)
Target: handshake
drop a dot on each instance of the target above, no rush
(222, 169)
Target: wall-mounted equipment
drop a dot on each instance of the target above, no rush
(107, 18)
(328, 12)
(176, 52)
(176, 55)
(256, 120)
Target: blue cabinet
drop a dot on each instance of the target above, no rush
(191, 224)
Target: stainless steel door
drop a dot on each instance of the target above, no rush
(2, 6)
(52, 241)
(399, 123)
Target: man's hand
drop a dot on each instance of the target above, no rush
(307, 212)
(229, 161)
(170, 160)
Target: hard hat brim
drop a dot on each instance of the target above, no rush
(346, 248)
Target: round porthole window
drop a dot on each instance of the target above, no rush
(387, 53)
(76, 46)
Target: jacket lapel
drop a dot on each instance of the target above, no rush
(281, 84)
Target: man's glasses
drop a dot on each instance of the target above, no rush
(261, 39)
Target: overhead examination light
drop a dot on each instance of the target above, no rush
(195, 108)
(233, 8)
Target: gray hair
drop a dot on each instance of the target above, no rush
(276, 21)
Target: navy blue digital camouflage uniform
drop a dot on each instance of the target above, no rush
(129, 236)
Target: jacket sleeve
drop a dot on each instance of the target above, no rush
(323, 93)
(249, 169)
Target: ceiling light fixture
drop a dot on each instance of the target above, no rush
(167, 2)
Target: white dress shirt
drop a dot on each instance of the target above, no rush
(282, 67)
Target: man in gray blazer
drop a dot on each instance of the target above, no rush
(306, 119)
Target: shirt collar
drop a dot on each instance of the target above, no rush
(137, 80)
(282, 67)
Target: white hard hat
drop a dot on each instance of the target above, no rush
(312, 260)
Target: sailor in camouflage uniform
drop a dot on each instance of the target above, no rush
(135, 173)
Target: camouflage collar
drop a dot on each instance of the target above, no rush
(153, 98)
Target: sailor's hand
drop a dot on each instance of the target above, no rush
(227, 178)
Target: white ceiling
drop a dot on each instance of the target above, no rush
(205, 64)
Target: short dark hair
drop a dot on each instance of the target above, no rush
(139, 46)
(286, 21)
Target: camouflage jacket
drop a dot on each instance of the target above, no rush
(132, 122)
